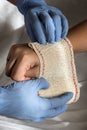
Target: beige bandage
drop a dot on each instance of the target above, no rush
(58, 67)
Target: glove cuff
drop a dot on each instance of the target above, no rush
(24, 5)
(58, 67)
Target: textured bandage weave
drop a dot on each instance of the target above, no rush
(58, 67)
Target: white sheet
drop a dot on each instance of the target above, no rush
(13, 31)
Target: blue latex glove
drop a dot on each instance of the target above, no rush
(43, 23)
(20, 100)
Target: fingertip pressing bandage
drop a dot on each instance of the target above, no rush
(58, 67)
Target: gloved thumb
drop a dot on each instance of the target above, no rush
(43, 84)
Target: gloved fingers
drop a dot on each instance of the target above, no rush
(51, 113)
(29, 29)
(48, 25)
(63, 99)
(37, 29)
(43, 84)
(55, 111)
(64, 26)
(64, 22)
(56, 102)
(57, 23)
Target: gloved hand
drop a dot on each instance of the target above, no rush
(20, 100)
(43, 23)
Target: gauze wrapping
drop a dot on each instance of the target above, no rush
(58, 67)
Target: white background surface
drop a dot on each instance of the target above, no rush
(12, 31)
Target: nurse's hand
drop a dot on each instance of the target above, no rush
(20, 100)
(43, 23)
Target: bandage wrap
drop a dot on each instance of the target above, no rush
(58, 67)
